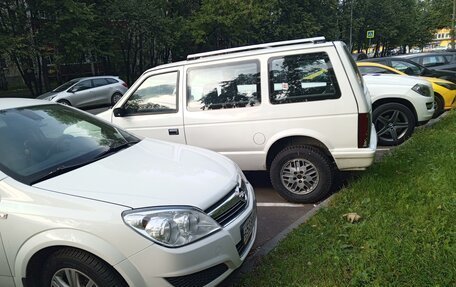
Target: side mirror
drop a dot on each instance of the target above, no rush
(119, 112)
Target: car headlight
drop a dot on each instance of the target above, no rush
(422, 90)
(171, 226)
(449, 86)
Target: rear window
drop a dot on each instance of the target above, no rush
(99, 82)
(111, 80)
(302, 78)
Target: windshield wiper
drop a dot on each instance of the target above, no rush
(115, 149)
(66, 168)
(61, 170)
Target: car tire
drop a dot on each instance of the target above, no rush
(68, 262)
(302, 174)
(64, 102)
(115, 98)
(394, 123)
(438, 105)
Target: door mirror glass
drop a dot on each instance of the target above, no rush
(119, 112)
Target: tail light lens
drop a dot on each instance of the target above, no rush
(364, 129)
(125, 85)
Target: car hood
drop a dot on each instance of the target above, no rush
(151, 173)
(393, 80)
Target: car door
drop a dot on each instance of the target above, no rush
(101, 92)
(81, 93)
(152, 107)
(5, 273)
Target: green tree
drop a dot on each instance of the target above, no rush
(33, 31)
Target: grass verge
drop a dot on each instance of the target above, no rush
(407, 232)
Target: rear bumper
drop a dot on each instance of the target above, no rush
(356, 159)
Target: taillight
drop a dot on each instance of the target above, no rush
(125, 85)
(364, 129)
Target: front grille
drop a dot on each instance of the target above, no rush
(197, 279)
(230, 206)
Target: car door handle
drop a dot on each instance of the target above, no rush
(173, 132)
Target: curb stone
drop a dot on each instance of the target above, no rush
(253, 260)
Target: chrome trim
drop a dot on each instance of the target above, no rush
(238, 196)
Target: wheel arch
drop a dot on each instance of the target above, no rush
(404, 102)
(286, 141)
(37, 248)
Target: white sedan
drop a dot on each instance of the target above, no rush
(399, 104)
(83, 203)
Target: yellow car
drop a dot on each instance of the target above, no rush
(444, 91)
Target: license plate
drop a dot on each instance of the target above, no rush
(247, 227)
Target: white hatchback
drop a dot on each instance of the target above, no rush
(83, 203)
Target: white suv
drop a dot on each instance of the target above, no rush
(400, 103)
(297, 108)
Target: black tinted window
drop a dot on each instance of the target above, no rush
(407, 67)
(373, 70)
(81, 86)
(99, 82)
(302, 78)
(224, 86)
(111, 80)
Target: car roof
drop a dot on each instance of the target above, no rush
(12, 103)
(391, 58)
(95, 77)
(244, 51)
(410, 56)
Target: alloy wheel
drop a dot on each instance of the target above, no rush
(299, 176)
(69, 277)
(392, 125)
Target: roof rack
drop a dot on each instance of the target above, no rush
(256, 47)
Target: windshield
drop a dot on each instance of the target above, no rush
(65, 86)
(38, 141)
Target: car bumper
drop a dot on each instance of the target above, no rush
(204, 263)
(424, 107)
(449, 99)
(357, 159)
(453, 104)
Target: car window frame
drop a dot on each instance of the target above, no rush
(255, 61)
(93, 82)
(178, 78)
(315, 99)
(71, 90)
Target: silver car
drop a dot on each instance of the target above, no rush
(88, 91)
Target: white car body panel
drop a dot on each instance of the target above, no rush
(398, 86)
